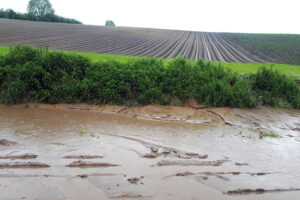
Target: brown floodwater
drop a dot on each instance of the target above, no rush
(152, 152)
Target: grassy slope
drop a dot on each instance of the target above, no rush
(280, 48)
(290, 70)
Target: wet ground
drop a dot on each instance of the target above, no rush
(152, 152)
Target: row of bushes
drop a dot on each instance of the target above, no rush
(35, 75)
(10, 14)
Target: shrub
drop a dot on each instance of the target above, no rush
(271, 87)
(28, 74)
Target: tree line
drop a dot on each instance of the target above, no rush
(37, 10)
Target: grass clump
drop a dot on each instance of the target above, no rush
(268, 134)
(82, 132)
(41, 76)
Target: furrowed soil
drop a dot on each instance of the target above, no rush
(128, 41)
(148, 152)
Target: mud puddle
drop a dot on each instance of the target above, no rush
(151, 152)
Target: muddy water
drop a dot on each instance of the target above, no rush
(151, 152)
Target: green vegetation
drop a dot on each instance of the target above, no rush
(268, 134)
(82, 132)
(36, 75)
(38, 10)
(280, 48)
(110, 23)
(290, 70)
(4, 50)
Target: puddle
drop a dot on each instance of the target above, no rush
(148, 152)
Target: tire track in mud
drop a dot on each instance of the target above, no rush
(156, 150)
(222, 118)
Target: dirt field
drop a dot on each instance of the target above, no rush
(152, 152)
(124, 41)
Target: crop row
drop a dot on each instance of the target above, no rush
(124, 41)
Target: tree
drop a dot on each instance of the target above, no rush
(40, 9)
(110, 23)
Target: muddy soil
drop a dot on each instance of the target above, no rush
(151, 152)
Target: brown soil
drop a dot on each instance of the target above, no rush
(82, 157)
(219, 173)
(5, 142)
(23, 156)
(124, 41)
(258, 191)
(24, 165)
(130, 196)
(152, 142)
(191, 163)
(135, 180)
(83, 164)
(241, 164)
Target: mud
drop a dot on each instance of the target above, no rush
(82, 157)
(241, 164)
(83, 164)
(183, 174)
(24, 165)
(23, 156)
(148, 152)
(130, 196)
(5, 142)
(258, 191)
(192, 163)
(135, 180)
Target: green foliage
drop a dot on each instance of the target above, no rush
(35, 75)
(38, 10)
(10, 14)
(272, 87)
(290, 70)
(110, 23)
(268, 134)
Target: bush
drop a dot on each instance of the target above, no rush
(270, 87)
(28, 74)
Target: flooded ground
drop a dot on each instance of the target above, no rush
(152, 152)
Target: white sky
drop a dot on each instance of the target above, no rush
(251, 16)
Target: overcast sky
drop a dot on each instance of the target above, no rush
(252, 16)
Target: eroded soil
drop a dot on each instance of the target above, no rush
(151, 152)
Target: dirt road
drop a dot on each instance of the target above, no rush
(152, 152)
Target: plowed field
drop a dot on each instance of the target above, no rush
(124, 41)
